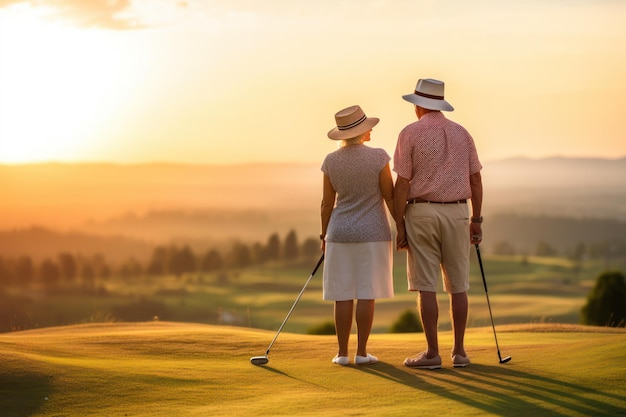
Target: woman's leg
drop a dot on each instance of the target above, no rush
(343, 324)
(364, 320)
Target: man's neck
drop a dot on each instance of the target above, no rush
(422, 111)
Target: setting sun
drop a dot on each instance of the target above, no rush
(216, 82)
(59, 88)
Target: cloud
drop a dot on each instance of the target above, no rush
(106, 14)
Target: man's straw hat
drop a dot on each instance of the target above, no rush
(429, 95)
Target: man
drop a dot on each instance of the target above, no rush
(438, 171)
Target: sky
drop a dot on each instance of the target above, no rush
(239, 81)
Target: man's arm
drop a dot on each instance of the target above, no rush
(476, 232)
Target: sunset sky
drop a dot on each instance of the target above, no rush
(234, 81)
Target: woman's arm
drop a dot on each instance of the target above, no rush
(328, 203)
(386, 189)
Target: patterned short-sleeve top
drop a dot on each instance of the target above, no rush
(359, 214)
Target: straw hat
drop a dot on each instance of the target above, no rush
(429, 95)
(351, 122)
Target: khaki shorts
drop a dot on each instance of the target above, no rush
(438, 236)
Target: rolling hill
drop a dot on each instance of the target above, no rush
(165, 369)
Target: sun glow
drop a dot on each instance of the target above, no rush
(56, 86)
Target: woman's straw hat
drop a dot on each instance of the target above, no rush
(351, 122)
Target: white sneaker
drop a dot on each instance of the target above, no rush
(365, 360)
(341, 360)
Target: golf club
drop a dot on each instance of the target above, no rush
(482, 272)
(262, 360)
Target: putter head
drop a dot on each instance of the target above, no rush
(260, 360)
(505, 360)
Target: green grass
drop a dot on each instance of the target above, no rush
(181, 369)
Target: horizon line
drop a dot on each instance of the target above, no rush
(283, 163)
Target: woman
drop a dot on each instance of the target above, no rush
(356, 237)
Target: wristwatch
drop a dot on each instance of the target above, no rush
(477, 219)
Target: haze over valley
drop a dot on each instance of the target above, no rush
(149, 204)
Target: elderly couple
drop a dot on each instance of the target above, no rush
(438, 171)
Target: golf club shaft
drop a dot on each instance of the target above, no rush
(294, 304)
(482, 273)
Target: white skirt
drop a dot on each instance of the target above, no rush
(360, 270)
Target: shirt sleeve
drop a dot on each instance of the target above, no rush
(324, 167)
(474, 163)
(383, 158)
(402, 163)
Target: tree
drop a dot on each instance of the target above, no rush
(606, 304)
(408, 322)
(325, 328)
(272, 250)
(545, 249)
(67, 266)
(25, 270)
(211, 261)
(291, 250)
(181, 261)
(311, 248)
(157, 263)
(241, 256)
(49, 273)
(257, 251)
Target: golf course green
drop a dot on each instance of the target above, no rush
(180, 369)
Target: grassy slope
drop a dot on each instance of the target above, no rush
(165, 369)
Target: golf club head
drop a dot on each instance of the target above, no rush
(505, 360)
(260, 360)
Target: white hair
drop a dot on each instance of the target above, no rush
(352, 141)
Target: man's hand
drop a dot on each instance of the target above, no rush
(476, 233)
(401, 241)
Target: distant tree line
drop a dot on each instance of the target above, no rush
(615, 249)
(68, 268)
(542, 235)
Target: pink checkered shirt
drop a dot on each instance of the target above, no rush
(437, 156)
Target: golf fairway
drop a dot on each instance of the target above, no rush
(166, 369)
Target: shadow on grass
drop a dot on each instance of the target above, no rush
(276, 371)
(504, 391)
(23, 394)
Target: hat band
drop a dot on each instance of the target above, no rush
(429, 95)
(351, 125)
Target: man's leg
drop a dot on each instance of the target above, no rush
(429, 312)
(459, 306)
